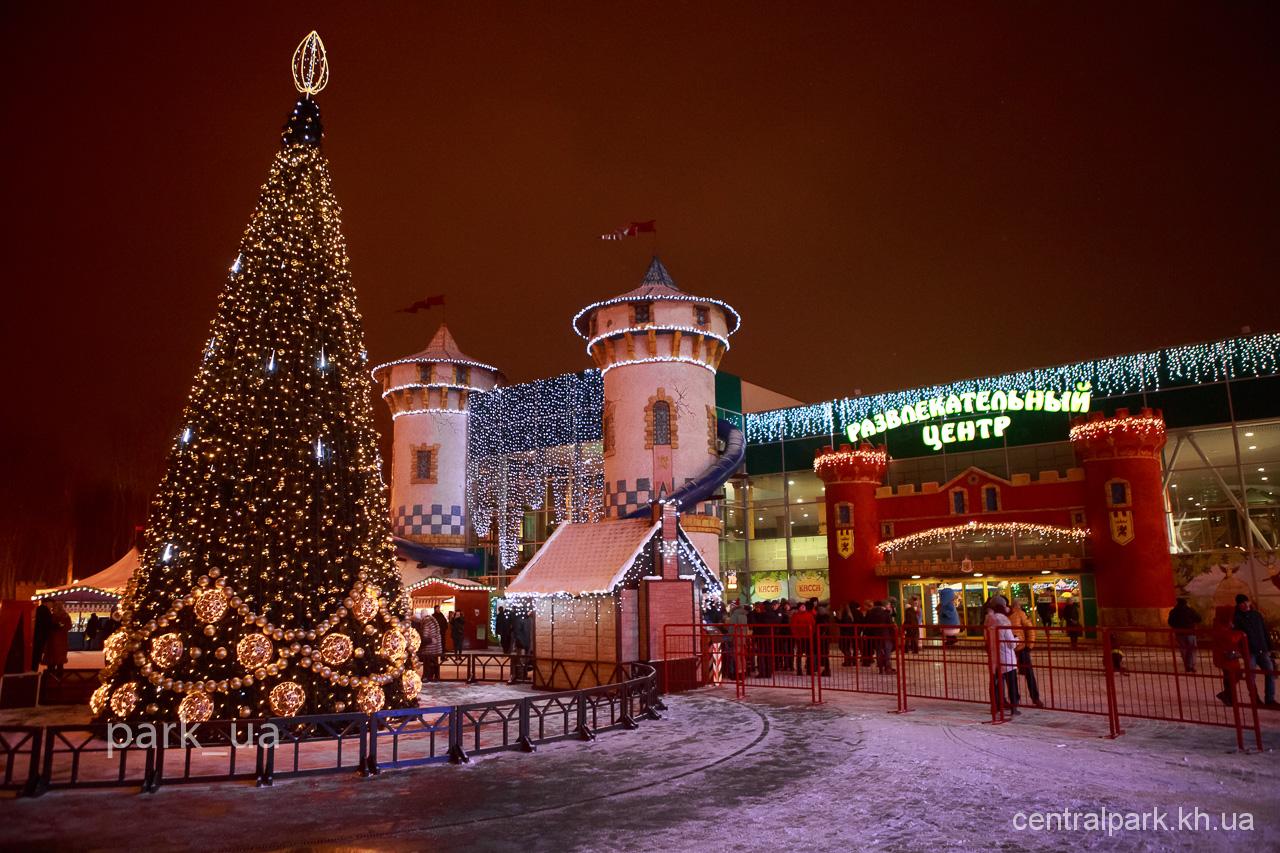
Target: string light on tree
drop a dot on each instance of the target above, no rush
(272, 515)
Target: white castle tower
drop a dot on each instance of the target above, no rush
(658, 348)
(427, 393)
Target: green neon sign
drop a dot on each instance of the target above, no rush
(992, 409)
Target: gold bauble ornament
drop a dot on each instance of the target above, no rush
(336, 649)
(392, 646)
(115, 647)
(99, 699)
(195, 707)
(413, 640)
(125, 699)
(253, 651)
(286, 698)
(411, 682)
(370, 699)
(166, 650)
(211, 605)
(364, 607)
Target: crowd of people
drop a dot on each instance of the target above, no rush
(778, 636)
(447, 634)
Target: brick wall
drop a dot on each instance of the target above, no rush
(664, 603)
(577, 629)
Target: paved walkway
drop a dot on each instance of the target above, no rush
(716, 774)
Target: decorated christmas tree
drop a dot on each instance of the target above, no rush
(267, 584)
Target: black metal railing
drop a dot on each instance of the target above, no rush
(38, 759)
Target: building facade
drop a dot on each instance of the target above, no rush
(1210, 487)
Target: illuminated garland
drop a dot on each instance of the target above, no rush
(449, 582)
(831, 464)
(1145, 425)
(1257, 355)
(166, 653)
(409, 386)
(938, 535)
(428, 411)
(55, 593)
(657, 327)
(658, 359)
(431, 359)
(525, 439)
(656, 297)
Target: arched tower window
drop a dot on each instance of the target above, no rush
(662, 422)
(660, 426)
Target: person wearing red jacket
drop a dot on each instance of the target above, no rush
(802, 625)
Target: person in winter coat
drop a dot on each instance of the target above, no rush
(43, 626)
(431, 649)
(877, 627)
(1001, 652)
(783, 644)
(1026, 636)
(736, 652)
(802, 625)
(1248, 621)
(522, 638)
(823, 625)
(458, 630)
(911, 626)
(442, 622)
(1183, 620)
(55, 652)
(848, 627)
(762, 639)
(1071, 619)
(502, 627)
(91, 632)
(948, 616)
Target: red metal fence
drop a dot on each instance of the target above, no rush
(1139, 673)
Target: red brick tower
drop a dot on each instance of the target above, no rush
(853, 525)
(1124, 507)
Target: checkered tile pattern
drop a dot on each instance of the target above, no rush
(429, 519)
(620, 498)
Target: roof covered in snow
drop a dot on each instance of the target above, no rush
(441, 348)
(657, 285)
(582, 558)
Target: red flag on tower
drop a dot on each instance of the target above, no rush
(631, 229)
(421, 305)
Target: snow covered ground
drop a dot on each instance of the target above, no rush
(715, 774)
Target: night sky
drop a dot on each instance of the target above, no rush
(891, 195)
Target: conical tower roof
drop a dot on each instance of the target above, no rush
(657, 285)
(442, 349)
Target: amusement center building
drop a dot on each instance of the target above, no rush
(1116, 483)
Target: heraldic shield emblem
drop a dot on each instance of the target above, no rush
(844, 543)
(1122, 526)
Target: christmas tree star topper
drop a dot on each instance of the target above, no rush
(310, 65)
